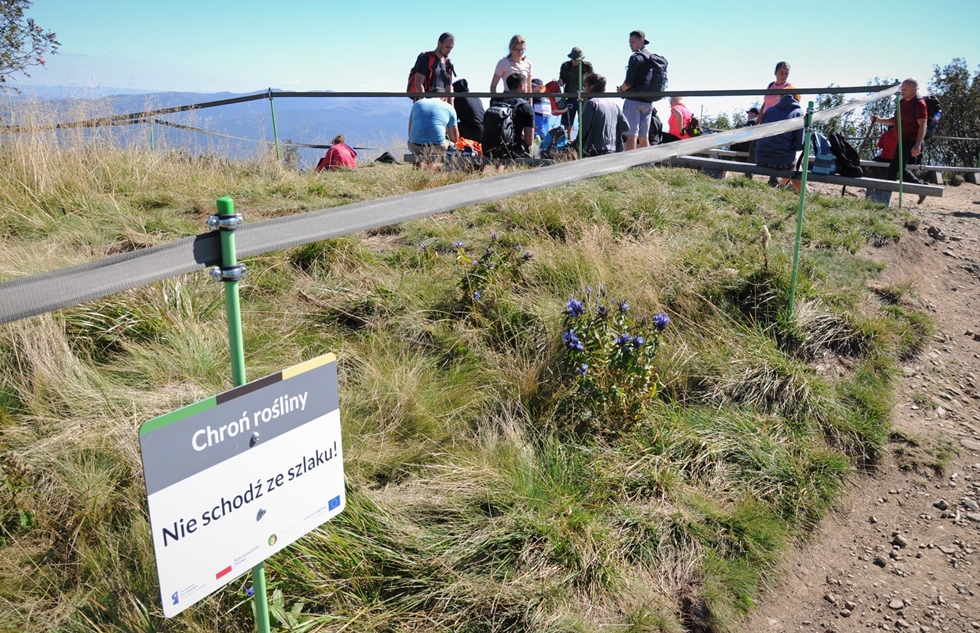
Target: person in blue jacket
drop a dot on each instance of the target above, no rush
(779, 151)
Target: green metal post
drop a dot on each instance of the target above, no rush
(581, 108)
(799, 215)
(229, 259)
(152, 140)
(901, 155)
(275, 132)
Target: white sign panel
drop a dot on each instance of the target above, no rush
(234, 479)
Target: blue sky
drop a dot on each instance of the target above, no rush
(247, 46)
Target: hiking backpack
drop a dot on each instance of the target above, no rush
(823, 156)
(559, 105)
(934, 113)
(431, 61)
(693, 127)
(498, 126)
(655, 79)
(848, 159)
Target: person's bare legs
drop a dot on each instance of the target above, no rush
(631, 143)
(644, 141)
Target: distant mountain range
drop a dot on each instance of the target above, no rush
(376, 124)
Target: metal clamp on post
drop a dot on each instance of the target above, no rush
(225, 222)
(228, 273)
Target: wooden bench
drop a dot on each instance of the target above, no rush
(870, 184)
(479, 160)
(935, 172)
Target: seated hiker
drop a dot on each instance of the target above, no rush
(678, 121)
(887, 143)
(340, 154)
(779, 151)
(469, 111)
(508, 124)
(603, 121)
(432, 126)
(542, 110)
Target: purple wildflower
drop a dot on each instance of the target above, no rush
(572, 341)
(574, 307)
(661, 321)
(476, 295)
(582, 369)
(624, 340)
(623, 307)
(458, 244)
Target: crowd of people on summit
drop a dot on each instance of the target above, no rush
(518, 124)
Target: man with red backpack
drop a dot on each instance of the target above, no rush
(915, 114)
(433, 69)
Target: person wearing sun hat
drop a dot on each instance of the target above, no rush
(568, 77)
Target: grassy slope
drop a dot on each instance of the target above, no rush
(473, 506)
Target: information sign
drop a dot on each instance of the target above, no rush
(233, 479)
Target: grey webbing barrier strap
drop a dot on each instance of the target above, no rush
(138, 117)
(37, 294)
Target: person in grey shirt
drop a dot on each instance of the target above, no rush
(603, 122)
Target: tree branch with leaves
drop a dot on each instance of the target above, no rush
(23, 43)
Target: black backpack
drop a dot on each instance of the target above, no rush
(935, 111)
(693, 127)
(848, 159)
(655, 79)
(498, 126)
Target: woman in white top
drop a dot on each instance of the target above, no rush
(515, 62)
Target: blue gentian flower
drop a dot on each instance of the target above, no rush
(637, 341)
(603, 312)
(572, 341)
(476, 295)
(623, 307)
(624, 340)
(493, 236)
(458, 244)
(422, 246)
(574, 307)
(249, 591)
(582, 369)
(661, 321)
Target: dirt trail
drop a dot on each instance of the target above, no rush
(902, 552)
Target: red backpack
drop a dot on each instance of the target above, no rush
(431, 60)
(558, 104)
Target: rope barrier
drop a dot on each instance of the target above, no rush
(37, 294)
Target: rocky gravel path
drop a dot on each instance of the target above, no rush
(902, 551)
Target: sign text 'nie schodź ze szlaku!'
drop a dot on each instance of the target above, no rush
(233, 479)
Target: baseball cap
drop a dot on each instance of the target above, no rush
(753, 110)
(537, 82)
(641, 35)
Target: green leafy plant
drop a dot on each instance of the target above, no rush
(609, 357)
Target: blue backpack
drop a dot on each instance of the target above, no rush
(823, 156)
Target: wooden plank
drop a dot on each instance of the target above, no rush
(866, 183)
(941, 168)
(481, 160)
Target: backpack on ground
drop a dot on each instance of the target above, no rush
(655, 79)
(823, 156)
(935, 112)
(498, 126)
(848, 159)
(693, 127)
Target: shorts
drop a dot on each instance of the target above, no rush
(637, 114)
(790, 167)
